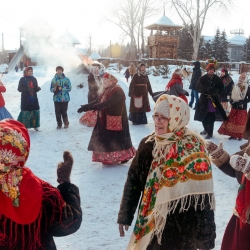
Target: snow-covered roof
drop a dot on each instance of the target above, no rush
(67, 38)
(234, 40)
(95, 56)
(237, 40)
(163, 23)
(82, 51)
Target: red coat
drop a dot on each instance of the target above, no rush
(2, 102)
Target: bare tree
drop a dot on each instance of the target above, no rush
(125, 15)
(147, 10)
(129, 16)
(194, 13)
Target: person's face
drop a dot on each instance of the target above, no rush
(107, 83)
(222, 73)
(59, 72)
(143, 68)
(210, 71)
(161, 124)
(242, 78)
(30, 72)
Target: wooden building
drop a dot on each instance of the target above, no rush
(163, 40)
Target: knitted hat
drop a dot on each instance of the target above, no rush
(163, 108)
(210, 66)
(111, 77)
(29, 68)
(60, 68)
(223, 70)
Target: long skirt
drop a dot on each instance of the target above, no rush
(30, 119)
(138, 118)
(113, 157)
(236, 238)
(235, 125)
(4, 113)
(246, 134)
(89, 118)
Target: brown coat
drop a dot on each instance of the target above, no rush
(140, 86)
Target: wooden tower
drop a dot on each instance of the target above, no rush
(163, 40)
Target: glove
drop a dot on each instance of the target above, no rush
(80, 110)
(64, 168)
(186, 94)
(240, 163)
(214, 150)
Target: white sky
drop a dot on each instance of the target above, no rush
(86, 17)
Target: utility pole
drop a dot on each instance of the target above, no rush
(110, 49)
(3, 47)
(90, 45)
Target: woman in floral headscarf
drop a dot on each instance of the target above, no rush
(172, 172)
(31, 210)
(110, 140)
(240, 96)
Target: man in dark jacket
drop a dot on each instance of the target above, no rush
(210, 86)
(32, 211)
(195, 77)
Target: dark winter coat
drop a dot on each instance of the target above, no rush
(190, 230)
(140, 86)
(93, 88)
(103, 140)
(29, 100)
(69, 222)
(126, 73)
(228, 86)
(209, 88)
(196, 75)
(242, 104)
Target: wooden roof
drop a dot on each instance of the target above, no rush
(164, 23)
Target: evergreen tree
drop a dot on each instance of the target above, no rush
(223, 55)
(206, 50)
(216, 45)
(246, 50)
(185, 48)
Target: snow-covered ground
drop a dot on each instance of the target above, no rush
(101, 186)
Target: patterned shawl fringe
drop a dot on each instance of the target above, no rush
(31, 240)
(163, 210)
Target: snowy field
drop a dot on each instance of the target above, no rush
(101, 186)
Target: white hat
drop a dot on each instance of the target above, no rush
(163, 108)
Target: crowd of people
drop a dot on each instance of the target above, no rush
(170, 175)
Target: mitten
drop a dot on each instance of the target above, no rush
(218, 155)
(186, 94)
(80, 110)
(64, 168)
(240, 163)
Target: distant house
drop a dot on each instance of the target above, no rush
(235, 47)
(67, 39)
(95, 56)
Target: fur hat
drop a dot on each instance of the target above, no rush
(210, 66)
(111, 77)
(163, 108)
(60, 68)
